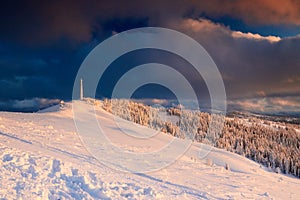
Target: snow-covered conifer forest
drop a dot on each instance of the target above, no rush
(272, 144)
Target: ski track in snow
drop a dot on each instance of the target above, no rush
(42, 157)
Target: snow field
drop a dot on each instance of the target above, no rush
(42, 157)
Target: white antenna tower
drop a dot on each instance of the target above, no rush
(81, 89)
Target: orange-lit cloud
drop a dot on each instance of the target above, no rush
(207, 26)
(291, 102)
(261, 93)
(267, 104)
(293, 79)
(255, 11)
(239, 34)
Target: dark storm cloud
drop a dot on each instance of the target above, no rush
(27, 105)
(42, 43)
(45, 22)
(49, 21)
(261, 74)
(249, 63)
(256, 12)
(35, 22)
(31, 73)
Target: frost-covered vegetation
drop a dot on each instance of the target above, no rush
(274, 144)
(270, 146)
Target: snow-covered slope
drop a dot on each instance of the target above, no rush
(42, 157)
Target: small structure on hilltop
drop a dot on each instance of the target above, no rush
(61, 104)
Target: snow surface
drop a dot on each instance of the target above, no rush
(42, 157)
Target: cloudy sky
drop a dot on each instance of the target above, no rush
(255, 44)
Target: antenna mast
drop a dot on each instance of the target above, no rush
(81, 89)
